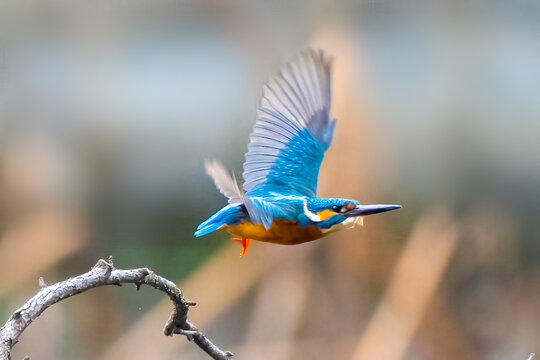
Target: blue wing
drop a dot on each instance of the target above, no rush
(292, 132)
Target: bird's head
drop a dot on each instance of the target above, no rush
(347, 207)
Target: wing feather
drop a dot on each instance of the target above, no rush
(225, 183)
(292, 132)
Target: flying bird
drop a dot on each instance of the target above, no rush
(277, 202)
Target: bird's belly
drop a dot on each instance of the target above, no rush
(280, 232)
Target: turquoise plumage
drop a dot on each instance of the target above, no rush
(277, 202)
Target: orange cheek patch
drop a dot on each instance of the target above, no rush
(325, 214)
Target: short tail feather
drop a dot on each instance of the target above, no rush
(229, 215)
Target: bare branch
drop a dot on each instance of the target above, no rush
(104, 273)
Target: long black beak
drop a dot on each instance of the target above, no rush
(363, 210)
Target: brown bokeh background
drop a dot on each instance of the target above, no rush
(109, 108)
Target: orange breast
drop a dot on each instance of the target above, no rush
(282, 232)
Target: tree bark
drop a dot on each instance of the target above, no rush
(104, 273)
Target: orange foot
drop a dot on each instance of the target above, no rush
(245, 244)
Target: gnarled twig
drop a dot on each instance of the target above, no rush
(104, 273)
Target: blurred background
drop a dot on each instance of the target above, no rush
(109, 108)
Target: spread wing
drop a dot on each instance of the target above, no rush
(292, 132)
(293, 128)
(226, 184)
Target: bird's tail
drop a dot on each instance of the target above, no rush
(229, 215)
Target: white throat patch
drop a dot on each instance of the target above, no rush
(311, 215)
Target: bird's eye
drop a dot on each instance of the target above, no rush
(349, 206)
(336, 208)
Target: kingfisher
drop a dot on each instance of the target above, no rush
(277, 202)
